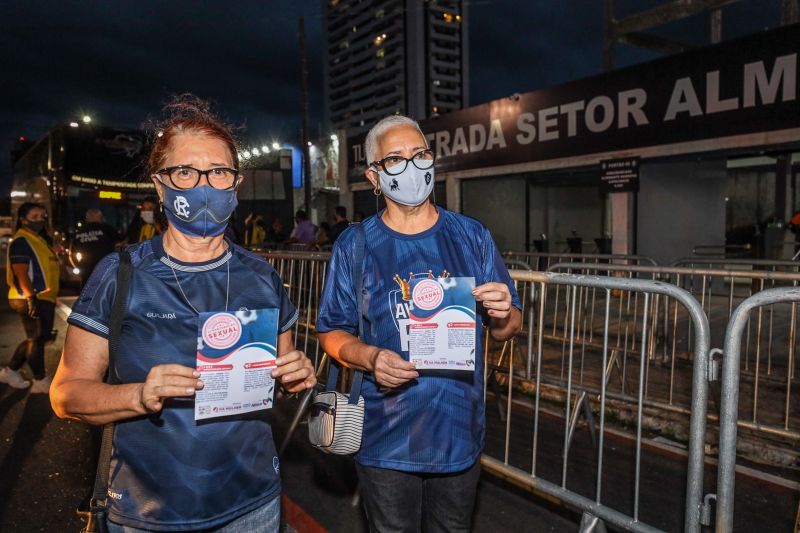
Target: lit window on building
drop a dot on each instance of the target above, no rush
(377, 41)
(380, 53)
(448, 17)
(437, 82)
(379, 14)
(344, 44)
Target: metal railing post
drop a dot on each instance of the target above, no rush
(728, 419)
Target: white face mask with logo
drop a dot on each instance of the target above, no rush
(411, 187)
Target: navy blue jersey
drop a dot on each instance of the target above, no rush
(168, 472)
(435, 424)
(20, 252)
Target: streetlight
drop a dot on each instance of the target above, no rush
(86, 119)
(276, 146)
(73, 124)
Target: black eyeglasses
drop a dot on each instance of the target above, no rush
(395, 164)
(186, 177)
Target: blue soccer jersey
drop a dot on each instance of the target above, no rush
(435, 424)
(168, 472)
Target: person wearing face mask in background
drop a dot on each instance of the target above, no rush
(418, 466)
(32, 277)
(144, 227)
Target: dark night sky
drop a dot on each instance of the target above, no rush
(118, 60)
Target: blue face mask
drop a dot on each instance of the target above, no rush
(201, 212)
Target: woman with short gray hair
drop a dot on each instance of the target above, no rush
(423, 434)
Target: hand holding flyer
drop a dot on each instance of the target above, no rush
(442, 327)
(236, 352)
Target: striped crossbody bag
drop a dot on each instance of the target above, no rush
(336, 420)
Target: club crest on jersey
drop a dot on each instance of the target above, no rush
(181, 206)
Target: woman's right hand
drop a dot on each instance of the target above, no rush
(168, 381)
(391, 370)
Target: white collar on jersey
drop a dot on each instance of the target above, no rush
(196, 268)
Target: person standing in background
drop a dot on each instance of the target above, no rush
(144, 226)
(92, 242)
(323, 236)
(275, 234)
(254, 233)
(33, 282)
(340, 223)
(304, 232)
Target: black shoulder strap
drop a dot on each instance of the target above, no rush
(358, 270)
(118, 311)
(115, 327)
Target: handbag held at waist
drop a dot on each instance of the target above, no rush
(336, 420)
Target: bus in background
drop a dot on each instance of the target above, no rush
(76, 167)
(79, 166)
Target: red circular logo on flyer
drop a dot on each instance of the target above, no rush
(428, 294)
(221, 331)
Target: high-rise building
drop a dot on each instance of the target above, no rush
(394, 56)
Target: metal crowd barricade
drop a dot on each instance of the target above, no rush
(722, 250)
(542, 261)
(731, 366)
(303, 276)
(767, 377)
(737, 264)
(574, 287)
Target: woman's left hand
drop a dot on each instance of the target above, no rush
(294, 371)
(495, 297)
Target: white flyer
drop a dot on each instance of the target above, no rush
(441, 331)
(236, 352)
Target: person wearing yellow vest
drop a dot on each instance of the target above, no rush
(32, 277)
(254, 234)
(144, 226)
